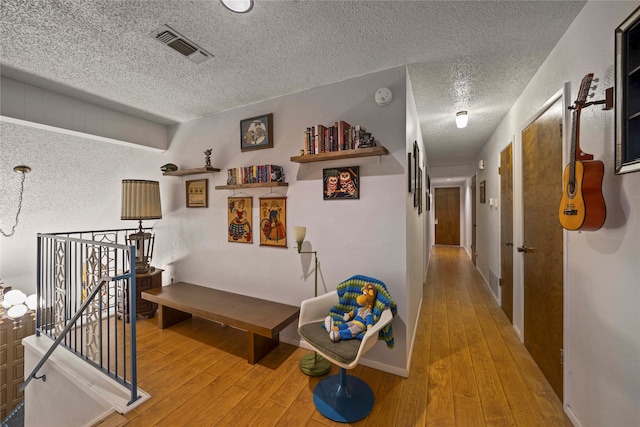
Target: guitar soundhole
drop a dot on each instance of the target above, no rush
(571, 188)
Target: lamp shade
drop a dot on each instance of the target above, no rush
(299, 233)
(140, 199)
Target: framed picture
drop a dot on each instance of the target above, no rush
(273, 221)
(416, 163)
(627, 95)
(410, 176)
(197, 196)
(419, 190)
(428, 193)
(239, 221)
(483, 197)
(256, 133)
(341, 183)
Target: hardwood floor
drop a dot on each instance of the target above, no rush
(468, 369)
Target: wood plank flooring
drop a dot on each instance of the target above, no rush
(468, 369)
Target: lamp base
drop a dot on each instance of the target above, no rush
(314, 365)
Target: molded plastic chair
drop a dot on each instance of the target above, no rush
(340, 397)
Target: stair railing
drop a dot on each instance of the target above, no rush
(84, 288)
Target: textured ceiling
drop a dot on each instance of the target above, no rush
(476, 56)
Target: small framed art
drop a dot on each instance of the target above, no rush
(419, 190)
(197, 196)
(416, 164)
(273, 221)
(483, 194)
(256, 133)
(341, 183)
(239, 221)
(410, 173)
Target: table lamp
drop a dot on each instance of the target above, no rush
(141, 200)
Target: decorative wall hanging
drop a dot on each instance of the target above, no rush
(409, 173)
(197, 196)
(273, 221)
(256, 133)
(483, 197)
(239, 223)
(419, 191)
(416, 163)
(341, 183)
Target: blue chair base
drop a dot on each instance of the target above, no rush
(343, 398)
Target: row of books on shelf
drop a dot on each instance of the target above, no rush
(255, 174)
(341, 136)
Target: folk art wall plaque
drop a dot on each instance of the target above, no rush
(341, 183)
(239, 223)
(273, 221)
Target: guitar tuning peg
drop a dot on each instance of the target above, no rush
(591, 95)
(596, 80)
(594, 87)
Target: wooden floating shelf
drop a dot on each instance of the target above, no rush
(191, 171)
(254, 185)
(345, 154)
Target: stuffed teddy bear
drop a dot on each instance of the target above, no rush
(356, 321)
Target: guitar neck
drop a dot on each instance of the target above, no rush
(575, 120)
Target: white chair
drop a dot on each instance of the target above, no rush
(340, 397)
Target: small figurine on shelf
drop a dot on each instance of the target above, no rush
(207, 159)
(169, 167)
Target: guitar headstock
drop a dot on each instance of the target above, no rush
(583, 92)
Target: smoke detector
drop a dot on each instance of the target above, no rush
(176, 41)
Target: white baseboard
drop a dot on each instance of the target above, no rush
(518, 333)
(572, 417)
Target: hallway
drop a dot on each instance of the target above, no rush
(468, 361)
(468, 369)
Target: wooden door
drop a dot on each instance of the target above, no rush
(447, 216)
(474, 252)
(506, 231)
(542, 244)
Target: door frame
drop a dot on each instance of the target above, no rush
(518, 233)
(513, 222)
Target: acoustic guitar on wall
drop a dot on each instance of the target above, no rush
(582, 206)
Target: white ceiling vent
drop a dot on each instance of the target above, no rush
(178, 42)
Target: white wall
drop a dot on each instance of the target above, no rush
(365, 236)
(602, 292)
(75, 185)
(418, 226)
(33, 106)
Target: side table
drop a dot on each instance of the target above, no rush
(144, 308)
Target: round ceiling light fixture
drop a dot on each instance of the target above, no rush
(461, 119)
(238, 6)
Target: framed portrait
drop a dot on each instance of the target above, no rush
(483, 196)
(341, 183)
(419, 190)
(416, 164)
(239, 220)
(409, 173)
(273, 221)
(256, 133)
(197, 196)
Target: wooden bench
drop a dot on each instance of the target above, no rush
(263, 320)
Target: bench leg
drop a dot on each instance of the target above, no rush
(168, 316)
(259, 346)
